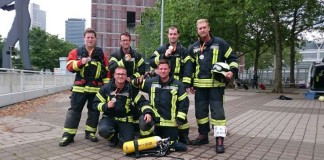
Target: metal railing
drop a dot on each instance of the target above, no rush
(13, 80)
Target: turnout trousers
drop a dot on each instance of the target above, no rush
(209, 99)
(73, 116)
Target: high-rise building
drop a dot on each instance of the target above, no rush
(111, 18)
(74, 28)
(37, 16)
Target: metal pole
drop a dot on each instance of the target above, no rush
(162, 22)
(10, 54)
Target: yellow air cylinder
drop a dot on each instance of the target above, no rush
(143, 144)
(321, 98)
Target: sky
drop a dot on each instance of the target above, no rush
(57, 12)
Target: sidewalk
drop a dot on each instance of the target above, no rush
(259, 127)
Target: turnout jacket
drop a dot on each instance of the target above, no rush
(169, 100)
(205, 55)
(127, 104)
(92, 75)
(135, 67)
(180, 62)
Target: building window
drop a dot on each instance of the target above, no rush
(131, 19)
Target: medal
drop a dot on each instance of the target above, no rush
(201, 56)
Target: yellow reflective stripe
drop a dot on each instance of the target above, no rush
(233, 64)
(197, 66)
(215, 55)
(176, 77)
(70, 61)
(138, 96)
(77, 89)
(186, 80)
(91, 89)
(182, 97)
(148, 132)
(70, 130)
(140, 62)
(135, 121)
(98, 70)
(99, 107)
(88, 128)
(152, 96)
(229, 51)
(202, 121)
(105, 80)
(136, 75)
(120, 63)
(99, 96)
(110, 137)
(124, 119)
(184, 126)
(188, 58)
(75, 66)
(167, 123)
(128, 101)
(177, 67)
(146, 107)
(173, 105)
(218, 122)
(182, 115)
(157, 58)
(113, 59)
(206, 83)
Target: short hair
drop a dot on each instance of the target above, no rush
(201, 21)
(164, 61)
(173, 27)
(126, 34)
(90, 30)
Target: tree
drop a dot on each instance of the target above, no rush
(301, 15)
(45, 49)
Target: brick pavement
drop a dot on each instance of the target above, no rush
(259, 125)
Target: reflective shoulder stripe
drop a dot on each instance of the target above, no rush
(156, 86)
(228, 52)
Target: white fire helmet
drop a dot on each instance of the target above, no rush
(221, 67)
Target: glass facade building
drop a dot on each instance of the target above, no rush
(74, 29)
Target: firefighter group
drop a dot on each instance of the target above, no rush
(135, 105)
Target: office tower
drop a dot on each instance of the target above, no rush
(37, 16)
(74, 28)
(110, 18)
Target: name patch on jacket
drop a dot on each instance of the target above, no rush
(164, 87)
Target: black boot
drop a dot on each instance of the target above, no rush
(220, 145)
(183, 136)
(113, 141)
(66, 139)
(91, 136)
(201, 139)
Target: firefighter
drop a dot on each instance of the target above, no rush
(178, 57)
(170, 103)
(117, 100)
(90, 65)
(131, 60)
(208, 86)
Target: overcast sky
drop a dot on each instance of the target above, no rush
(57, 12)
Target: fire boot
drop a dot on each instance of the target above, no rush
(66, 139)
(220, 145)
(91, 136)
(183, 136)
(201, 139)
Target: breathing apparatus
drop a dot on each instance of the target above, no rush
(151, 146)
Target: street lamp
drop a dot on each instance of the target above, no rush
(162, 23)
(319, 44)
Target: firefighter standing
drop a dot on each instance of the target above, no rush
(91, 67)
(209, 87)
(115, 100)
(170, 103)
(178, 57)
(131, 60)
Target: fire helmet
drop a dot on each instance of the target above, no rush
(220, 67)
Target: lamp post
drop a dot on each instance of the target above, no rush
(162, 23)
